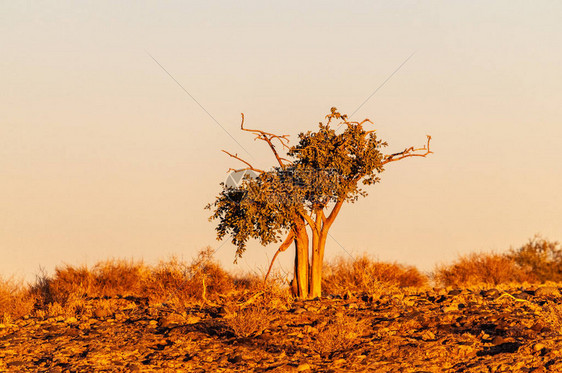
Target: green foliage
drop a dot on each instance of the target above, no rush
(541, 258)
(260, 208)
(350, 157)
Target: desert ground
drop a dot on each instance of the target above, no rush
(480, 329)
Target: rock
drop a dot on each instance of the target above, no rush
(451, 308)
(547, 291)
(497, 340)
(134, 367)
(303, 367)
(299, 310)
(153, 323)
(428, 335)
(101, 313)
(538, 346)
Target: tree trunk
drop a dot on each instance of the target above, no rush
(300, 281)
(318, 246)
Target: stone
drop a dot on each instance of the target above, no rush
(538, 346)
(101, 313)
(547, 291)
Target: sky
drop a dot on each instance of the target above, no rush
(103, 155)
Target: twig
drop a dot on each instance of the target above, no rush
(250, 167)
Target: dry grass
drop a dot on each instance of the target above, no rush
(364, 274)
(481, 268)
(171, 281)
(108, 278)
(15, 300)
(180, 284)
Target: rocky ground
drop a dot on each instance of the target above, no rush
(435, 330)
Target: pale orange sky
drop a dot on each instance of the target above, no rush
(103, 155)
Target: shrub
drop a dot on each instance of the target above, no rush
(364, 274)
(15, 300)
(540, 257)
(481, 268)
(67, 280)
(107, 278)
(118, 277)
(249, 322)
(181, 282)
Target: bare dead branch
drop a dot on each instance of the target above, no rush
(409, 152)
(269, 138)
(284, 246)
(250, 167)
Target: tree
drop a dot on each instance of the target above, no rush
(539, 257)
(302, 195)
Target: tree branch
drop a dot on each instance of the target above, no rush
(268, 138)
(309, 220)
(319, 212)
(409, 152)
(250, 167)
(334, 213)
(284, 246)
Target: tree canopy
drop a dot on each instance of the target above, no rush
(303, 193)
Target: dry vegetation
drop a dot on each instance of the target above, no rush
(367, 303)
(538, 261)
(179, 284)
(482, 268)
(15, 300)
(364, 274)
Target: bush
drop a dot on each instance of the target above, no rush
(481, 268)
(364, 274)
(182, 282)
(249, 322)
(118, 277)
(67, 281)
(170, 280)
(108, 278)
(15, 300)
(541, 258)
